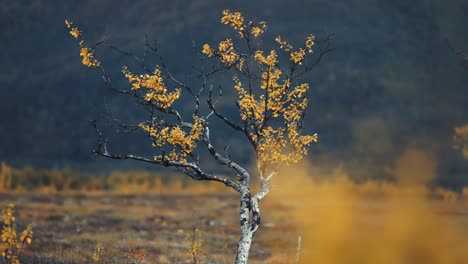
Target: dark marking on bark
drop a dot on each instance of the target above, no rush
(256, 219)
(243, 221)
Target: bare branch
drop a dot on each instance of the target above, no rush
(108, 82)
(460, 54)
(196, 172)
(118, 125)
(241, 172)
(298, 249)
(230, 123)
(127, 53)
(155, 50)
(211, 105)
(264, 190)
(322, 51)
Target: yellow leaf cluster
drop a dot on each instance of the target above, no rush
(234, 19)
(310, 41)
(86, 53)
(256, 31)
(276, 92)
(240, 64)
(270, 60)
(283, 44)
(295, 104)
(208, 50)
(298, 56)
(88, 59)
(281, 100)
(226, 52)
(278, 103)
(75, 33)
(73, 30)
(250, 108)
(182, 143)
(11, 247)
(270, 80)
(157, 92)
(68, 23)
(282, 147)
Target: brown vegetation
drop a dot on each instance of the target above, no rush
(340, 221)
(29, 179)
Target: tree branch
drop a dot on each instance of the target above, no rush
(211, 105)
(322, 51)
(198, 173)
(241, 172)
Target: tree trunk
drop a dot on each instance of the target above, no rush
(245, 241)
(243, 247)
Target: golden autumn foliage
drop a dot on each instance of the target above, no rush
(256, 31)
(86, 53)
(12, 244)
(73, 30)
(276, 99)
(88, 57)
(376, 222)
(182, 143)
(208, 50)
(157, 93)
(234, 19)
(310, 42)
(225, 52)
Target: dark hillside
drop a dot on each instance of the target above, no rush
(393, 81)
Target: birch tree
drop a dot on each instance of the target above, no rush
(271, 104)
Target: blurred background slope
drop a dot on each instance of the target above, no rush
(392, 83)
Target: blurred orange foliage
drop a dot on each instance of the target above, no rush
(376, 222)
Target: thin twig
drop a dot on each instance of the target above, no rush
(298, 250)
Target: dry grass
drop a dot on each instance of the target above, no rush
(67, 228)
(154, 228)
(341, 222)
